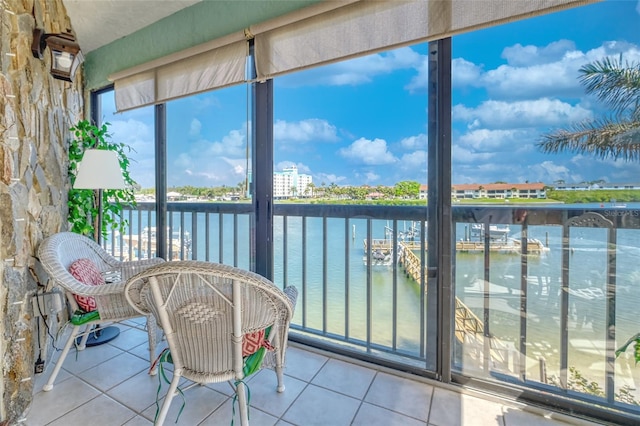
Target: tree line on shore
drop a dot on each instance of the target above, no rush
(405, 192)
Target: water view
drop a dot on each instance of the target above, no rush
(344, 298)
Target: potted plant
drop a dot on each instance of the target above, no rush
(83, 203)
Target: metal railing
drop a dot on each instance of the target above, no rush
(541, 292)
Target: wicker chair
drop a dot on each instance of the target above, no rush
(57, 252)
(205, 309)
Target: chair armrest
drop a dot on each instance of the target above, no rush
(292, 294)
(130, 268)
(82, 289)
(143, 263)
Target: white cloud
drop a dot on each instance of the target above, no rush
(302, 168)
(196, 126)
(368, 152)
(465, 72)
(371, 177)
(140, 137)
(522, 56)
(418, 83)
(507, 82)
(460, 154)
(356, 71)
(310, 130)
(538, 71)
(233, 144)
(485, 139)
(543, 112)
(415, 142)
(327, 179)
(414, 161)
(550, 171)
(207, 163)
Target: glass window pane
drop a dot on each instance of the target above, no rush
(208, 163)
(545, 233)
(134, 128)
(349, 136)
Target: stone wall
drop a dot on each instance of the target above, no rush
(36, 112)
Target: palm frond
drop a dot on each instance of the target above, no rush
(615, 83)
(619, 139)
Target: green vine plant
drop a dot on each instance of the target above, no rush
(83, 205)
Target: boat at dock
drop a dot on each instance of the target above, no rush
(496, 232)
(381, 252)
(143, 244)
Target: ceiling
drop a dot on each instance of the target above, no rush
(99, 22)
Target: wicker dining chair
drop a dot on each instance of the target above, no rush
(206, 311)
(57, 253)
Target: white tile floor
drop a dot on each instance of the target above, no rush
(109, 385)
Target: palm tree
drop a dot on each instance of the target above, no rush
(617, 84)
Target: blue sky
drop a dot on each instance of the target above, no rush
(363, 121)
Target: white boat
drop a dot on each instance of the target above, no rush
(496, 232)
(380, 258)
(381, 253)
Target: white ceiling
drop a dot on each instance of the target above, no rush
(99, 22)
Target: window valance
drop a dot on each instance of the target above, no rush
(323, 33)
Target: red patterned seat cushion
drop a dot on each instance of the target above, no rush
(85, 271)
(251, 342)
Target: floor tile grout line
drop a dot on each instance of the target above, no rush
(362, 400)
(433, 393)
(305, 386)
(307, 383)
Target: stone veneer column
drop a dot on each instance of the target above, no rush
(36, 112)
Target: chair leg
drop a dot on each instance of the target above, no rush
(242, 403)
(152, 331)
(56, 369)
(85, 336)
(280, 375)
(167, 400)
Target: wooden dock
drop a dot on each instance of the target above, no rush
(469, 329)
(511, 246)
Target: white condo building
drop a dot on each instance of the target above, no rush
(285, 181)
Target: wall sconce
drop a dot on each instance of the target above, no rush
(65, 53)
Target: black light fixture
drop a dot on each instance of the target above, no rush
(65, 53)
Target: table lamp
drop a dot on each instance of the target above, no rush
(98, 170)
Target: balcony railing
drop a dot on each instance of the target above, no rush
(543, 295)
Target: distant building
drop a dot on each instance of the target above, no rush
(289, 183)
(499, 190)
(424, 191)
(600, 185)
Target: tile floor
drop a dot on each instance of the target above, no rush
(108, 385)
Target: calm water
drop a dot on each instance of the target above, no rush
(306, 257)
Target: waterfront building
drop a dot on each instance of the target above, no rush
(289, 183)
(424, 191)
(586, 186)
(499, 190)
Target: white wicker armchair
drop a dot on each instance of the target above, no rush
(57, 252)
(205, 309)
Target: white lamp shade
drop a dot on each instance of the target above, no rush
(99, 169)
